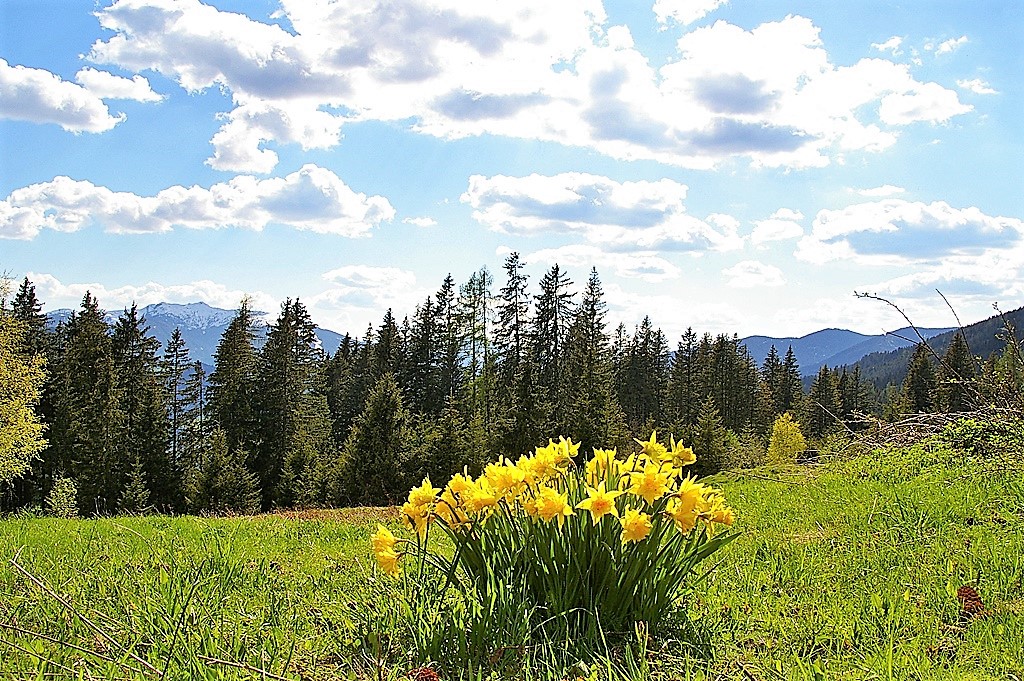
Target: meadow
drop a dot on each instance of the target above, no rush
(849, 569)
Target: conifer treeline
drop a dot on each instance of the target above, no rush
(471, 375)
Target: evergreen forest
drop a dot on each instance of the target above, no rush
(109, 421)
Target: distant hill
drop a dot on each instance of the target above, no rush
(201, 326)
(883, 368)
(833, 347)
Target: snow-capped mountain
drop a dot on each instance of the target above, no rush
(201, 326)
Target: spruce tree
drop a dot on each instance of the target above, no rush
(27, 309)
(685, 392)
(917, 393)
(955, 389)
(375, 462)
(822, 405)
(146, 433)
(174, 369)
(232, 381)
(517, 419)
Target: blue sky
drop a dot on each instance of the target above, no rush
(730, 165)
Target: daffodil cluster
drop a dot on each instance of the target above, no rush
(638, 492)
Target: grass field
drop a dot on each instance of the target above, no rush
(848, 570)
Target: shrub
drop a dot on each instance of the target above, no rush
(583, 548)
(62, 501)
(787, 441)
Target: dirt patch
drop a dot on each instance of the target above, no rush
(367, 515)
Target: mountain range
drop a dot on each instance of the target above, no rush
(834, 347)
(883, 358)
(201, 326)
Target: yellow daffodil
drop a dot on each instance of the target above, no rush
(388, 562)
(480, 497)
(460, 482)
(654, 450)
(505, 478)
(685, 504)
(635, 525)
(599, 502)
(383, 540)
(423, 495)
(651, 483)
(681, 456)
(553, 504)
(450, 510)
(416, 517)
(602, 465)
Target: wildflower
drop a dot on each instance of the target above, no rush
(654, 450)
(450, 510)
(602, 465)
(681, 456)
(635, 525)
(599, 502)
(505, 478)
(388, 562)
(460, 482)
(684, 506)
(383, 540)
(423, 495)
(651, 483)
(552, 504)
(416, 517)
(480, 496)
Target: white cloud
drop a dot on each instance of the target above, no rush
(753, 274)
(782, 225)
(358, 295)
(646, 266)
(420, 221)
(535, 69)
(625, 216)
(38, 96)
(951, 45)
(311, 198)
(58, 295)
(891, 45)
(108, 86)
(883, 190)
(685, 12)
(977, 86)
(897, 232)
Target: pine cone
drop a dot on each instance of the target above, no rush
(423, 674)
(970, 603)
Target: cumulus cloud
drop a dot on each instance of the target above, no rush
(753, 274)
(553, 71)
(685, 12)
(951, 45)
(977, 86)
(894, 231)
(312, 198)
(69, 295)
(646, 266)
(891, 45)
(625, 216)
(359, 294)
(783, 224)
(883, 190)
(38, 96)
(420, 221)
(106, 85)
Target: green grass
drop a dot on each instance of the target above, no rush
(847, 570)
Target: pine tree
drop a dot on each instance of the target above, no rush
(517, 418)
(375, 462)
(146, 428)
(916, 395)
(822, 405)
(174, 368)
(955, 388)
(290, 405)
(594, 418)
(232, 381)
